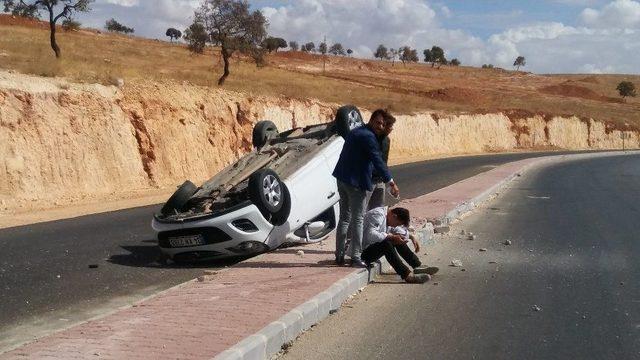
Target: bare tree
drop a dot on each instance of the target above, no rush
(393, 54)
(57, 9)
(234, 27)
(520, 61)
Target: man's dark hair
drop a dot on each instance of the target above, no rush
(386, 116)
(402, 214)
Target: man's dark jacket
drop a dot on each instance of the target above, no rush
(385, 145)
(359, 157)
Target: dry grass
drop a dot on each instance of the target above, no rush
(92, 57)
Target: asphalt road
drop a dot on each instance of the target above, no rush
(568, 287)
(47, 282)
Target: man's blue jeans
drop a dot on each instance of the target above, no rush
(353, 203)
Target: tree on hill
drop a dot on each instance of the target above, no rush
(626, 88)
(71, 25)
(487, 66)
(56, 9)
(114, 26)
(322, 48)
(454, 62)
(393, 54)
(337, 49)
(309, 47)
(196, 37)
(231, 24)
(381, 52)
(435, 55)
(273, 44)
(173, 34)
(407, 54)
(293, 45)
(520, 61)
(349, 52)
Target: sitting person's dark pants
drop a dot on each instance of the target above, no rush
(392, 253)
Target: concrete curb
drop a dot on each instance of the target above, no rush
(268, 341)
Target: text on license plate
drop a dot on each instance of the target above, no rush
(184, 241)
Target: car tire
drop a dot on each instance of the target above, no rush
(270, 195)
(179, 199)
(348, 118)
(263, 131)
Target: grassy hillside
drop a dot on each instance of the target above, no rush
(91, 56)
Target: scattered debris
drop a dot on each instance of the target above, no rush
(202, 278)
(507, 242)
(441, 230)
(456, 263)
(435, 283)
(210, 272)
(462, 232)
(93, 266)
(539, 197)
(300, 253)
(333, 311)
(536, 308)
(58, 276)
(483, 249)
(493, 262)
(471, 236)
(463, 269)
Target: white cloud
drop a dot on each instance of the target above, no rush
(617, 14)
(363, 24)
(554, 47)
(126, 3)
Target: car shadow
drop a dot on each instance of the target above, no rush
(150, 256)
(306, 251)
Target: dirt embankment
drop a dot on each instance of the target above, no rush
(63, 143)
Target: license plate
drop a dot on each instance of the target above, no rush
(185, 241)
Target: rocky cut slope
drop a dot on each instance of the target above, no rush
(64, 143)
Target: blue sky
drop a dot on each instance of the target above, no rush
(556, 36)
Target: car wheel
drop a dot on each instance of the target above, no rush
(179, 198)
(270, 195)
(263, 132)
(348, 118)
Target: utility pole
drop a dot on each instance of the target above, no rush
(324, 57)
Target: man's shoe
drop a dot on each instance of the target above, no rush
(340, 260)
(358, 263)
(431, 270)
(417, 279)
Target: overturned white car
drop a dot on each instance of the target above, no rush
(282, 191)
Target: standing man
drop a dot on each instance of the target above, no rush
(377, 195)
(360, 155)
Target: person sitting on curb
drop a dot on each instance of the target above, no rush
(406, 253)
(378, 242)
